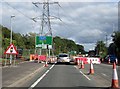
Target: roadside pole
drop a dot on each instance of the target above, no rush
(11, 37)
(49, 53)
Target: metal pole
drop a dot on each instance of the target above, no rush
(106, 41)
(49, 53)
(11, 37)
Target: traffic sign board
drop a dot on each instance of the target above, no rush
(11, 50)
(43, 41)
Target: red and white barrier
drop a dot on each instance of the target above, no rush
(82, 65)
(46, 64)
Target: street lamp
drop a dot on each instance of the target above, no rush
(12, 16)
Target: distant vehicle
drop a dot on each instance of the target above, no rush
(63, 58)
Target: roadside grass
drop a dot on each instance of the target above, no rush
(5, 62)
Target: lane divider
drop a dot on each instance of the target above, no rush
(83, 74)
(103, 74)
(39, 79)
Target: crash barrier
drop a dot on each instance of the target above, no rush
(46, 64)
(82, 65)
(42, 57)
(86, 60)
(37, 57)
(52, 59)
(78, 62)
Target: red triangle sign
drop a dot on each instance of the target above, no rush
(11, 50)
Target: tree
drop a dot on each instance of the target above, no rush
(101, 49)
(116, 39)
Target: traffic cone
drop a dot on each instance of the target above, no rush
(91, 68)
(109, 61)
(116, 60)
(114, 77)
(82, 65)
(46, 65)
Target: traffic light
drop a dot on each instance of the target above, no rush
(11, 49)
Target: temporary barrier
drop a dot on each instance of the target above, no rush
(32, 57)
(86, 60)
(78, 62)
(42, 57)
(46, 64)
(82, 65)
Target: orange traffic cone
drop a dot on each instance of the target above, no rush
(46, 65)
(82, 65)
(91, 68)
(114, 77)
(109, 61)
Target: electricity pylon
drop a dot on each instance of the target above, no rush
(45, 19)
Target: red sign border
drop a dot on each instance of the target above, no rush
(13, 47)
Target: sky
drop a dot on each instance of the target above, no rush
(84, 21)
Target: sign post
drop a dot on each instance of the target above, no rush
(11, 50)
(44, 42)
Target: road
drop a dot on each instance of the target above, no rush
(11, 75)
(62, 75)
(71, 76)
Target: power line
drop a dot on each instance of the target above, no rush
(20, 11)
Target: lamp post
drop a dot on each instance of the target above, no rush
(11, 28)
(12, 16)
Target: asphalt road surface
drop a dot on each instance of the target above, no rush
(34, 75)
(61, 75)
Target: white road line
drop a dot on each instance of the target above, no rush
(36, 82)
(103, 74)
(52, 66)
(85, 75)
(76, 67)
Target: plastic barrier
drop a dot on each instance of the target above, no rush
(32, 57)
(42, 57)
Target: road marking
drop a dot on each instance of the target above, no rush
(36, 82)
(76, 67)
(52, 66)
(85, 75)
(103, 74)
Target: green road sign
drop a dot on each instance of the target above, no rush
(42, 41)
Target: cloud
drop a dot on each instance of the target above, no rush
(64, 0)
(84, 22)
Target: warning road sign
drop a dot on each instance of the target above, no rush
(11, 50)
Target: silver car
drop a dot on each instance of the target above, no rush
(63, 58)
